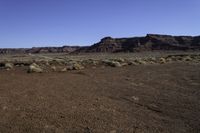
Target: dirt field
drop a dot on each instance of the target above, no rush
(131, 99)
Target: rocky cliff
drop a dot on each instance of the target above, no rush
(135, 44)
(147, 43)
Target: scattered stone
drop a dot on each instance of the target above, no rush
(107, 62)
(64, 69)
(47, 63)
(152, 62)
(112, 63)
(154, 108)
(58, 61)
(90, 61)
(135, 98)
(8, 66)
(172, 58)
(162, 60)
(140, 61)
(124, 64)
(53, 68)
(115, 64)
(34, 68)
(77, 66)
(152, 59)
(179, 58)
(187, 58)
(169, 59)
(132, 63)
(94, 62)
(120, 60)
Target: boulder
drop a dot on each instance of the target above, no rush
(34, 68)
(112, 63)
(115, 64)
(140, 61)
(187, 58)
(8, 66)
(53, 68)
(124, 64)
(77, 66)
(169, 59)
(132, 63)
(162, 60)
(64, 69)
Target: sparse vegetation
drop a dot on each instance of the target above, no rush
(61, 63)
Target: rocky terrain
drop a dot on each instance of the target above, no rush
(61, 63)
(150, 92)
(150, 42)
(132, 85)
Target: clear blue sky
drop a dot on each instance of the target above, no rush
(27, 23)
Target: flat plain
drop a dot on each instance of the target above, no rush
(146, 93)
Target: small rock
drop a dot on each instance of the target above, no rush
(53, 68)
(59, 61)
(135, 98)
(112, 63)
(47, 63)
(64, 69)
(77, 66)
(8, 66)
(187, 58)
(124, 64)
(169, 60)
(152, 59)
(151, 62)
(132, 63)
(162, 60)
(120, 60)
(140, 61)
(116, 64)
(34, 68)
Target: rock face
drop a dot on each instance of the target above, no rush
(147, 43)
(135, 44)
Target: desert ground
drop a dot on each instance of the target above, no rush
(100, 93)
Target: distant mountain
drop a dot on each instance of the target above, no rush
(147, 43)
(64, 49)
(108, 44)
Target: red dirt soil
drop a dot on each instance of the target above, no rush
(133, 99)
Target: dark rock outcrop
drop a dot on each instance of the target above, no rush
(147, 43)
(64, 49)
(135, 44)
